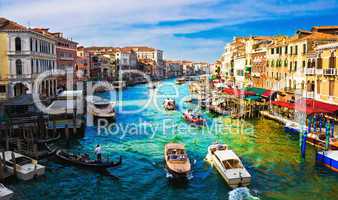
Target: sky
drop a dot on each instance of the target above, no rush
(184, 29)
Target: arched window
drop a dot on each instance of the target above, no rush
(18, 66)
(332, 61)
(17, 44)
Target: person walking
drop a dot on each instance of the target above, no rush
(98, 153)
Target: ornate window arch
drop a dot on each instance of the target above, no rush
(18, 67)
(18, 46)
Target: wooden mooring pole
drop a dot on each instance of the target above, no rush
(2, 169)
(14, 163)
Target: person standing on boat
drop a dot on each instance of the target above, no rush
(98, 153)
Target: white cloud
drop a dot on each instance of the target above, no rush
(112, 22)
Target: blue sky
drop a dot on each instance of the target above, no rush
(185, 29)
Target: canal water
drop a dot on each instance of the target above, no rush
(270, 155)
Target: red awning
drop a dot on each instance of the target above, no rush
(317, 105)
(267, 93)
(307, 106)
(238, 92)
(218, 81)
(283, 104)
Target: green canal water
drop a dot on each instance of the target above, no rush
(270, 155)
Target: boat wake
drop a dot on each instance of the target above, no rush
(241, 193)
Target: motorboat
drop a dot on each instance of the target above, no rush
(119, 85)
(5, 193)
(101, 108)
(177, 161)
(169, 104)
(180, 81)
(196, 119)
(84, 161)
(329, 159)
(26, 168)
(228, 164)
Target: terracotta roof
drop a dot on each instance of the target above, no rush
(315, 36)
(6, 24)
(323, 27)
(140, 48)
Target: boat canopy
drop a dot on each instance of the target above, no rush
(174, 146)
(226, 155)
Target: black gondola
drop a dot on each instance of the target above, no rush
(83, 161)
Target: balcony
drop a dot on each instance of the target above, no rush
(66, 58)
(319, 71)
(18, 53)
(307, 94)
(22, 77)
(330, 72)
(310, 71)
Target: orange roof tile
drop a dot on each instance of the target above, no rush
(6, 24)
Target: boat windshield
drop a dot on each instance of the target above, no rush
(177, 155)
(21, 161)
(232, 164)
(218, 147)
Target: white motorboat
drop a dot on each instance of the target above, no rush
(5, 193)
(26, 168)
(101, 108)
(228, 165)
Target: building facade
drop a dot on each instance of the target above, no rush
(25, 54)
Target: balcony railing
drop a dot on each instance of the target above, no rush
(310, 71)
(22, 77)
(66, 58)
(330, 72)
(12, 53)
(307, 94)
(319, 71)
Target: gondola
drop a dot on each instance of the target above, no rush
(83, 161)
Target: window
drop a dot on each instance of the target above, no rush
(304, 48)
(2, 88)
(286, 50)
(319, 63)
(291, 50)
(296, 50)
(17, 44)
(32, 66)
(31, 44)
(331, 88)
(332, 61)
(285, 63)
(295, 65)
(318, 86)
(304, 63)
(272, 51)
(18, 66)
